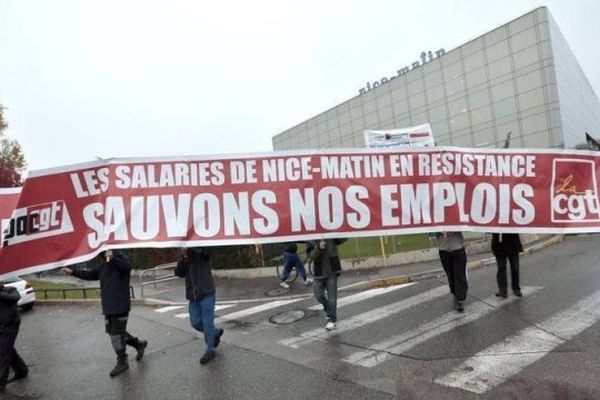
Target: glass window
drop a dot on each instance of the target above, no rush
(472, 47)
(403, 122)
(530, 81)
(538, 140)
(451, 57)
(522, 23)
(356, 112)
(385, 113)
(453, 71)
(458, 106)
(344, 117)
(419, 118)
(554, 118)
(401, 109)
(384, 99)
(526, 57)
(535, 123)
(480, 98)
(440, 128)
(499, 68)
(481, 115)
(476, 77)
(372, 120)
(505, 107)
(399, 94)
(332, 123)
(544, 31)
(511, 126)
(463, 141)
(433, 79)
(415, 87)
(434, 95)
(497, 51)
(432, 66)
(531, 99)
(417, 101)
(546, 50)
(438, 113)
(460, 121)
(474, 61)
(455, 86)
(495, 36)
(485, 137)
(503, 90)
(524, 39)
(369, 106)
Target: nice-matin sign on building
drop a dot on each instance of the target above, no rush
(69, 214)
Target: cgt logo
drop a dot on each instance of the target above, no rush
(574, 195)
(36, 222)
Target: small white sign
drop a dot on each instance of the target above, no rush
(416, 136)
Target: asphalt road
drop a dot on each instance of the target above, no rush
(402, 342)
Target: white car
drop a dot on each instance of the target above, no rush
(25, 290)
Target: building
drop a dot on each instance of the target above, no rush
(520, 78)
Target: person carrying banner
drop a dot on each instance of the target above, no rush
(327, 268)
(292, 260)
(507, 246)
(195, 267)
(454, 261)
(114, 275)
(10, 322)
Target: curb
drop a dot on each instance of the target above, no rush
(148, 302)
(471, 266)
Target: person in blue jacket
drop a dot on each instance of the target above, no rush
(194, 266)
(114, 275)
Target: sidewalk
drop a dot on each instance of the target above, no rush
(267, 287)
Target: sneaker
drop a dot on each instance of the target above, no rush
(308, 281)
(19, 375)
(460, 306)
(284, 285)
(518, 293)
(218, 337)
(140, 349)
(503, 295)
(330, 326)
(208, 356)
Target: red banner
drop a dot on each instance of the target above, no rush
(67, 215)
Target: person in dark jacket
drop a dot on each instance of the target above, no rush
(327, 268)
(507, 246)
(292, 260)
(114, 276)
(451, 248)
(195, 267)
(9, 329)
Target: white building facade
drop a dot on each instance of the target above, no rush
(520, 78)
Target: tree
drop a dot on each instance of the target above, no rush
(12, 159)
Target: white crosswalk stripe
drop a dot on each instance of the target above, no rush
(168, 308)
(367, 294)
(398, 344)
(505, 359)
(256, 309)
(365, 318)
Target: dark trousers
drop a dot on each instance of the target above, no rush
(455, 266)
(514, 273)
(116, 327)
(10, 359)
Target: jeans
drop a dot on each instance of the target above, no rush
(202, 318)
(292, 260)
(329, 302)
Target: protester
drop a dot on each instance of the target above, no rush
(454, 260)
(292, 260)
(9, 329)
(327, 268)
(507, 246)
(114, 275)
(195, 267)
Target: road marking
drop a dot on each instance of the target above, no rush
(367, 294)
(168, 308)
(256, 309)
(401, 343)
(182, 315)
(365, 318)
(499, 362)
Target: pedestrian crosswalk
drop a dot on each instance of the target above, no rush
(477, 372)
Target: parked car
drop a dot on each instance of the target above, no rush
(25, 290)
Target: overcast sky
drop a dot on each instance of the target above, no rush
(84, 79)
